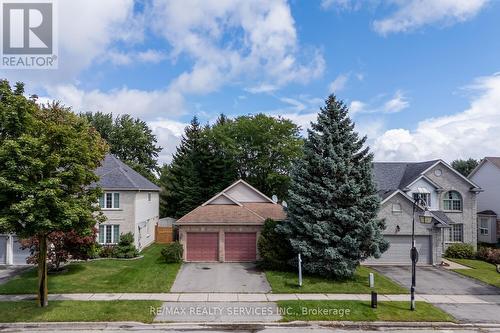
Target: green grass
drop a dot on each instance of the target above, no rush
(480, 270)
(28, 311)
(149, 274)
(360, 311)
(287, 282)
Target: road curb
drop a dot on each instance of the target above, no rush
(136, 326)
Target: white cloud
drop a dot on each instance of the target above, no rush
(413, 14)
(342, 4)
(397, 103)
(233, 40)
(86, 30)
(138, 103)
(120, 58)
(471, 133)
(168, 133)
(338, 84)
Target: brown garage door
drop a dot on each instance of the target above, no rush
(240, 246)
(202, 246)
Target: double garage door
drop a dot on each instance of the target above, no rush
(399, 251)
(238, 246)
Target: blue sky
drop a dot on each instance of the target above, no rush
(419, 75)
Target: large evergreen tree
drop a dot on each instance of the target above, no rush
(333, 204)
(200, 168)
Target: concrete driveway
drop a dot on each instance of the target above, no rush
(221, 278)
(437, 281)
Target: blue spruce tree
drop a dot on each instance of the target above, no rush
(333, 202)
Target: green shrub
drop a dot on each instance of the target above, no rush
(126, 247)
(172, 253)
(460, 251)
(274, 248)
(107, 251)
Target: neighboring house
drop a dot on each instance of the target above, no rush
(130, 203)
(487, 175)
(450, 197)
(227, 227)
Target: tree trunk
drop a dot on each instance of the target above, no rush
(42, 272)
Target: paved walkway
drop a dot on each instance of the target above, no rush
(234, 297)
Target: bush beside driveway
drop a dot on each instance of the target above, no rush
(287, 282)
(148, 274)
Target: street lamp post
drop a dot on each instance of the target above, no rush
(427, 219)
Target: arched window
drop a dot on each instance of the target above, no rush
(452, 201)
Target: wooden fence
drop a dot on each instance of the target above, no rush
(164, 235)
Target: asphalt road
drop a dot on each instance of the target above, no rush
(305, 329)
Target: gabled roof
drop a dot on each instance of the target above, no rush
(393, 176)
(116, 175)
(493, 160)
(234, 211)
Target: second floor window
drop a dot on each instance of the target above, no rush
(452, 201)
(483, 226)
(109, 200)
(425, 197)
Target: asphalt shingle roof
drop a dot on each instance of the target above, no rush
(391, 176)
(116, 175)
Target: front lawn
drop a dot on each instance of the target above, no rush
(287, 282)
(149, 274)
(360, 311)
(28, 311)
(480, 270)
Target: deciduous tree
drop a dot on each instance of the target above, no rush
(47, 160)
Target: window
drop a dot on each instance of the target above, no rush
(483, 226)
(452, 201)
(110, 200)
(425, 197)
(456, 233)
(109, 233)
(149, 196)
(396, 208)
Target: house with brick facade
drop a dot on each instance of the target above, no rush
(226, 227)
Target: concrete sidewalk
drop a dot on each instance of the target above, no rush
(239, 297)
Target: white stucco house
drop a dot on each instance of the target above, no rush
(130, 203)
(487, 175)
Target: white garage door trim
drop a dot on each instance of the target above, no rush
(399, 251)
(3, 250)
